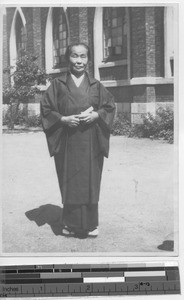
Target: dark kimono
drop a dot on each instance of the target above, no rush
(78, 151)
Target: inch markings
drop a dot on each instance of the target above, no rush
(86, 280)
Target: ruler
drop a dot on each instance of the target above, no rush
(89, 279)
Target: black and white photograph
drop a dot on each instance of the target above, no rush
(90, 129)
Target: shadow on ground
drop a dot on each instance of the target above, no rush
(47, 214)
(167, 245)
(136, 208)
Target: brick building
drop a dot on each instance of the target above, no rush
(132, 48)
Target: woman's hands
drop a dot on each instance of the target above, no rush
(74, 120)
(71, 121)
(89, 117)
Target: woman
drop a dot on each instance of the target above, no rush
(77, 114)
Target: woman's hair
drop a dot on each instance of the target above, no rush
(69, 50)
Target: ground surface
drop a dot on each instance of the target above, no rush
(136, 206)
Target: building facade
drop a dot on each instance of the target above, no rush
(132, 48)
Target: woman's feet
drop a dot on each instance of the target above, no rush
(93, 233)
(68, 232)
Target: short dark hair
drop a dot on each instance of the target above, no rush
(69, 50)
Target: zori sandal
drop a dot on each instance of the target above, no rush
(67, 232)
(93, 233)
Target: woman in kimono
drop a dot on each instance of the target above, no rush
(77, 114)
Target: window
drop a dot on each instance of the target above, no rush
(21, 37)
(114, 33)
(60, 37)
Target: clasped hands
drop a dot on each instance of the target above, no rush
(75, 120)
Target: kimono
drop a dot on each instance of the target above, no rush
(78, 151)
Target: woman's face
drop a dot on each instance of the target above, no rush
(78, 60)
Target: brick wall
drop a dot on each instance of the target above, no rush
(159, 41)
(81, 28)
(90, 18)
(28, 13)
(138, 42)
(37, 40)
(146, 46)
(83, 25)
(114, 73)
(122, 94)
(150, 41)
(147, 41)
(153, 93)
(34, 32)
(164, 93)
(150, 94)
(34, 28)
(139, 93)
(155, 41)
(73, 14)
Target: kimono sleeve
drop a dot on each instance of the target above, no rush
(49, 108)
(51, 118)
(106, 109)
(106, 113)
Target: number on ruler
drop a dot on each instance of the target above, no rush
(88, 288)
(145, 283)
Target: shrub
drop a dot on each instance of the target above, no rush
(22, 119)
(34, 121)
(121, 126)
(27, 76)
(6, 117)
(160, 126)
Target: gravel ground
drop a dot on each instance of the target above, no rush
(136, 208)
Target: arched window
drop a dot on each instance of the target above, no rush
(21, 37)
(114, 33)
(18, 35)
(60, 37)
